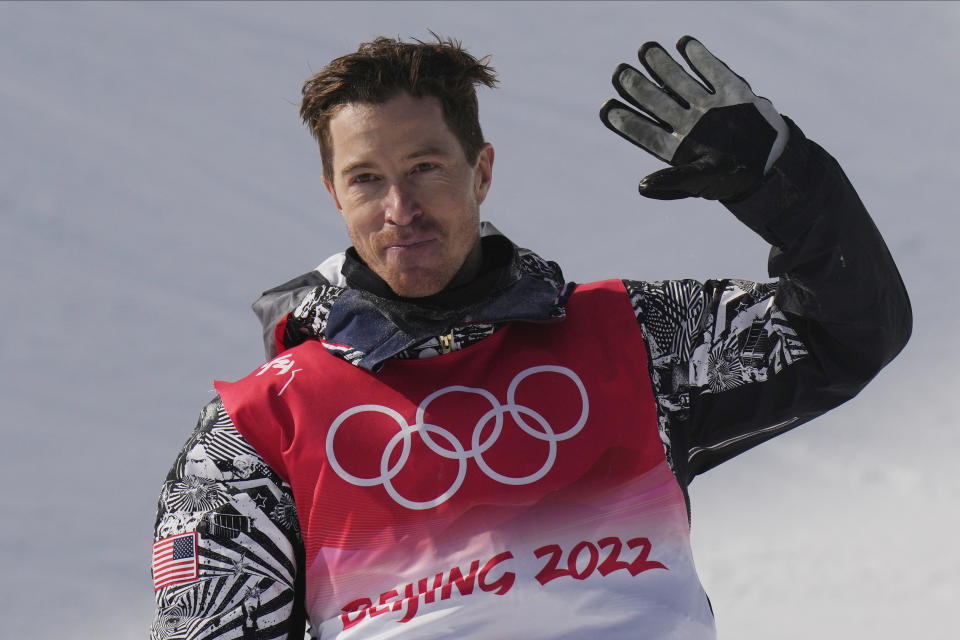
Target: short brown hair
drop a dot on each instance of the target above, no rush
(384, 67)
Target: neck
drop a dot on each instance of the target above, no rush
(471, 267)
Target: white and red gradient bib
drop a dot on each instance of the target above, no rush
(517, 488)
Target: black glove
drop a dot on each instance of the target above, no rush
(720, 138)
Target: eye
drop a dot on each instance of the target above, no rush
(363, 178)
(423, 167)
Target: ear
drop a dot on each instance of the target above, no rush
(333, 194)
(483, 172)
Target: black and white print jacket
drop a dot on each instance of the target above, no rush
(732, 363)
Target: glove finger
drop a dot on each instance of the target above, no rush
(731, 88)
(663, 194)
(713, 176)
(639, 129)
(713, 71)
(638, 90)
(666, 71)
(671, 183)
(688, 179)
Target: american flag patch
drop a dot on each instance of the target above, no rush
(175, 560)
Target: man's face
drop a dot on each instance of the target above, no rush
(409, 197)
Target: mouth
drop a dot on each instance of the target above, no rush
(406, 245)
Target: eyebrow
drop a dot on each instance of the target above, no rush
(426, 151)
(419, 153)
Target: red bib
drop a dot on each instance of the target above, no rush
(537, 441)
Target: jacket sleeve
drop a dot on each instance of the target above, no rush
(734, 363)
(227, 542)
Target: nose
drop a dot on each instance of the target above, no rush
(400, 205)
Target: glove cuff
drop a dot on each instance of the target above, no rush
(774, 209)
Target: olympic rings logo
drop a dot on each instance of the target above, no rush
(455, 450)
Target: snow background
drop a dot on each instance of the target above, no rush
(155, 177)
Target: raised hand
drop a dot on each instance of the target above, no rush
(719, 137)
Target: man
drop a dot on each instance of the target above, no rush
(450, 440)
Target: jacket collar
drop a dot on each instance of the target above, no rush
(361, 315)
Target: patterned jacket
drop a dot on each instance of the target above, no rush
(732, 363)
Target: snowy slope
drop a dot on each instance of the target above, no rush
(154, 177)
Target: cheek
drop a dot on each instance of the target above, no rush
(361, 217)
(450, 195)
